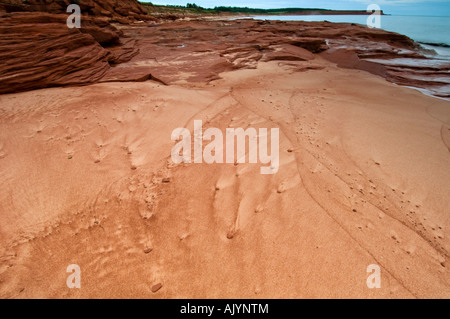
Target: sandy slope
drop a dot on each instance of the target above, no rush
(364, 179)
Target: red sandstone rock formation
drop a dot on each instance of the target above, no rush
(38, 50)
(118, 10)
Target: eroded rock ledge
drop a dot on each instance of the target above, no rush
(38, 50)
(123, 11)
(199, 50)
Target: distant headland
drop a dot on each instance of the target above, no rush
(192, 8)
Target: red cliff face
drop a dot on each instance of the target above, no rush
(38, 50)
(121, 10)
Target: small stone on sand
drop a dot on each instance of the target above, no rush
(156, 287)
(259, 209)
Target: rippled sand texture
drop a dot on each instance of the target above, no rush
(364, 179)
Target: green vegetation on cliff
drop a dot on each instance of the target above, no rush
(193, 9)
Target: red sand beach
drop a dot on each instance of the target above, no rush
(87, 176)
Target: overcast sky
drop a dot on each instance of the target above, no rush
(406, 7)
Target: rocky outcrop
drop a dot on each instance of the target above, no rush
(38, 50)
(200, 50)
(115, 10)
